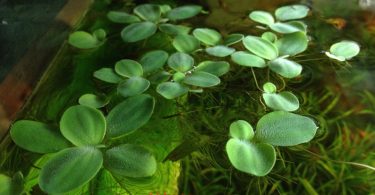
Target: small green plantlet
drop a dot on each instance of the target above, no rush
(85, 40)
(92, 100)
(344, 50)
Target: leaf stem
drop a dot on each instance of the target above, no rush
(255, 79)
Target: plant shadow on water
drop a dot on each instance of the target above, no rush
(338, 97)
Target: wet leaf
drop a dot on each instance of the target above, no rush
(233, 39)
(247, 59)
(285, 101)
(185, 43)
(254, 158)
(70, 169)
(217, 68)
(207, 36)
(184, 12)
(282, 128)
(138, 31)
(220, 51)
(130, 115)
(173, 29)
(291, 12)
(122, 17)
(83, 125)
(261, 47)
(93, 101)
(292, 44)
(83, 40)
(171, 90)
(241, 130)
(107, 75)
(37, 137)
(202, 79)
(133, 86)
(262, 17)
(181, 62)
(153, 60)
(285, 67)
(128, 68)
(130, 160)
(148, 12)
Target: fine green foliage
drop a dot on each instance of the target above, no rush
(262, 17)
(291, 12)
(184, 12)
(93, 101)
(207, 36)
(128, 68)
(171, 90)
(153, 60)
(185, 43)
(241, 130)
(260, 47)
(37, 137)
(83, 125)
(344, 50)
(107, 75)
(138, 31)
(285, 67)
(130, 161)
(63, 172)
(282, 128)
(247, 59)
(181, 62)
(202, 79)
(130, 115)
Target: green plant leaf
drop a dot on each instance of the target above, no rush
(130, 160)
(6, 185)
(107, 75)
(217, 68)
(138, 31)
(173, 29)
(184, 12)
(247, 59)
(233, 39)
(185, 43)
(178, 76)
(133, 86)
(269, 88)
(220, 51)
(128, 68)
(298, 24)
(284, 28)
(262, 17)
(93, 101)
(282, 128)
(130, 115)
(241, 129)
(207, 36)
(37, 137)
(292, 44)
(285, 100)
(171, 90)
(202, 79)
(153, 60)
(165, 8)
(181, 62)
(285, 67)
(261, 47)
(291, 12)
(159, 77)
(346, 49)
(339, 58)
(100, 34)
(122, 17)
(83, 40)
(70, 169)
(254, 158)
(83, 125)
(148, 12)
(269, 36)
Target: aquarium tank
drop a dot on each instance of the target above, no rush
(215, 97)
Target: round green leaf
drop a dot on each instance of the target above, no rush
(165, 8)
(292, 44)
(184, 12)
(159, 77)
(122, 17)
(261, 47)
(130, 160)
(246, 59)
(217, 68)
(207, 36)
(285, 100)
(241, 130)
(185, 43)
(285, 67)
(129, 115)
(202, 79)
(107, 75)
(149, 12)
(171, 90)
(138, 31)
(83, 125)
(83, 40)
(153, 60)
(220, 51)
(128, 68)
(100, 34)
(70, 169)
(233, 39)
(133, 86)
(178, 76)
(346, 49)
(93, 101)
(262, 17)
(298, 24)
(37, 137)
(181, 62)
(254, 158)
(291, 12)
(269, 36)
(174, 30)
(284, 28)
(269, 87)
(282, 128)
